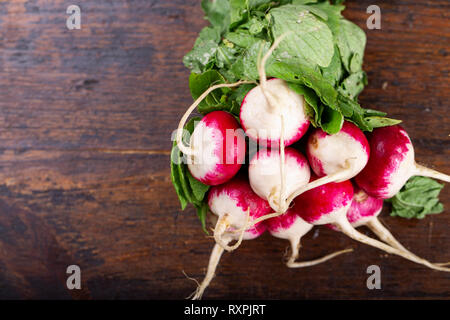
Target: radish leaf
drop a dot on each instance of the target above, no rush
(417, 198)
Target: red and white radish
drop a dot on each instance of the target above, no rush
(234, 203)
(336, 157)
(391, 163)
(329, 203)
(267, 180)
(188, 150)
(290, 226)
(218, 146)
(261, 120)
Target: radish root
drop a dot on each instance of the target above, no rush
(427, 172)
(351, 232)
(386, 236)
(214, 259)
(293, 264)
(295, 252)
(221, 229)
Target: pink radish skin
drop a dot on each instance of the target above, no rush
(291, 227)
(329, 203)
(219, 148)
(327, 153)
(234, 203)
(265, 177)
(363, 209)
(324, 204)
(261, 121)
(335, 158)
(391, 163)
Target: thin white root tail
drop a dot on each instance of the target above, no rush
(443, 264)
(292, 264)
(347, 229)
(214, 259)
(386, 236)
(427, 172)
(187, 149)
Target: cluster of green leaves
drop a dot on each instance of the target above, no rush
(188, 189)
(419, 197)
(321, 57)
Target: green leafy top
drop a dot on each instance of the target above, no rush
(322, 51)
(419, 197)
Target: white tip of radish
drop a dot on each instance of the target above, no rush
(265, 177)
(328, 154)
(261, 121)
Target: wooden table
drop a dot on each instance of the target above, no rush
(85, 123)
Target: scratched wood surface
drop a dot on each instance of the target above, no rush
(85, 123)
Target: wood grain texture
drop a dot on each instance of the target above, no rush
(72, 103)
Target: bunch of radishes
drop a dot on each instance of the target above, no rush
(279, 193)
(340, 182)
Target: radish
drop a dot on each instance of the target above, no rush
(269, 183)
(391, 163)
(234, 203)
(329, 203)
(290, 226)
(336, 157)
(260, 120)
(187, 150)
(219, 148)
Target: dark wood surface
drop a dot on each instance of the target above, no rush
(85, 123)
